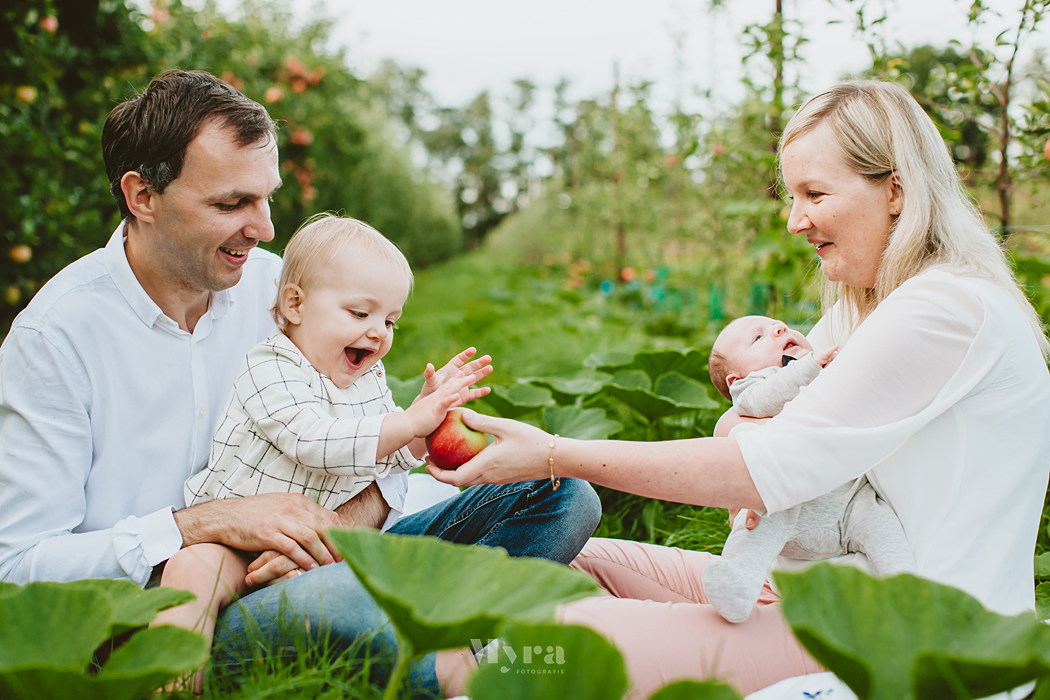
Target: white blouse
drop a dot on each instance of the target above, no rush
(942, 398)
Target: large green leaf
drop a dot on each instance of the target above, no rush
(691, 363)
(905, 637)
(609, 362)
(1042, 601)
(440, 595)
(579, 423)
(684, 391)
(133, 606)
(515, 401)
(567, 389)
(673, 393)
(49, 631)
(52, 626)
(632, 379)
(1042, 565)
(695, 690)
(551, 661)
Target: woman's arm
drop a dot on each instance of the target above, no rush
(702, 471)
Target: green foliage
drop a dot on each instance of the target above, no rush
(562, 661)
(49, 633)
(337, 153)
(312, 665)
(693, 690)
(440, 595)
(64, 65)
(907, 637)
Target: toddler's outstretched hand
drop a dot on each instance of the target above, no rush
(458, 366)
(823, 357)
(427, 411)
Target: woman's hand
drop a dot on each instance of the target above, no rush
(519, 453)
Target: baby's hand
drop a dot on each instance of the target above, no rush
(427, 412)
(823, 357)
(456, 367)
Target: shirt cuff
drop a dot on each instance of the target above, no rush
(394, 489)
(142, 543)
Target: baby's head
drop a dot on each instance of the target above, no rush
(752, 343)
(341, 291)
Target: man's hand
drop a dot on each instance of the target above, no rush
(366, 509)
(288, 523)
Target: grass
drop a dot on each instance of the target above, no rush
(524, 317)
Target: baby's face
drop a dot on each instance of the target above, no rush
(348, 315)
(756, 342)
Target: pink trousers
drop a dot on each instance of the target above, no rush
(658, 616)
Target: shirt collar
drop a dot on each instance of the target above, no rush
(141, 303)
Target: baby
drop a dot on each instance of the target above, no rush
(311, 412)
(761, 364)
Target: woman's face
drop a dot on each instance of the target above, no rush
(844, 215)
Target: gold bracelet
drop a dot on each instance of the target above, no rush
(554, 482)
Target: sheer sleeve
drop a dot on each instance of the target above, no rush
(920, 352)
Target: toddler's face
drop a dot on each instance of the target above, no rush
(756, 342)
(347, 315)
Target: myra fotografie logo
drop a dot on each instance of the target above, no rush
(532, 659)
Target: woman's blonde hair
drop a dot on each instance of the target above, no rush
(882, 132)
(319, 240)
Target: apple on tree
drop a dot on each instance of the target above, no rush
(453, 443)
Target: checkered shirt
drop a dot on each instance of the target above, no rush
(288, 429)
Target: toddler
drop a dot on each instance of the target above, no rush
(311, 412)
(761, 364)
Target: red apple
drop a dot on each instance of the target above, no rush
(453, 443)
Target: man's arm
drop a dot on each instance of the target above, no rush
(366, 509)
(45, 460)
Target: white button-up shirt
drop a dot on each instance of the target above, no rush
(106, 408)
(942, 398)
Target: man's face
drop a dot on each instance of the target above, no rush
(215, 211)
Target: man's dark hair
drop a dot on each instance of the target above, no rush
(149, 133)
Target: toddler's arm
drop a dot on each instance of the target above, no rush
(276, 394)
(410, 426)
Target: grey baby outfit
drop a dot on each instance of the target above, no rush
(851, 518)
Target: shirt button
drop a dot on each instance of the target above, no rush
(202, 413)
(379, 373)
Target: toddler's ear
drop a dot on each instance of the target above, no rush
(291, 297)
(730, 378)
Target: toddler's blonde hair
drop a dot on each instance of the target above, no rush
(319, 240)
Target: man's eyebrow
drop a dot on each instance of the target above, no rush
(239, 195)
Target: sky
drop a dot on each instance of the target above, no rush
(466, 46)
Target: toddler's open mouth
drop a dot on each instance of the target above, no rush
(355, 356)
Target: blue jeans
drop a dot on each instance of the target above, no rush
(528, 519)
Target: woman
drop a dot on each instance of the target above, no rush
(940, 394)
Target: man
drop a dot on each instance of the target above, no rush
(113, 377)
